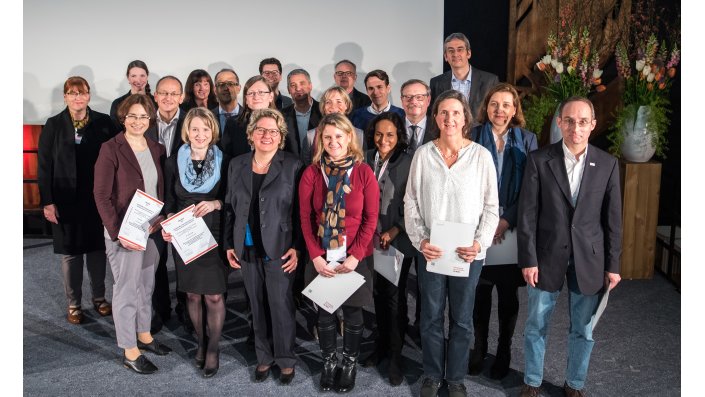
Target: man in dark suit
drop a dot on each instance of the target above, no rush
(227, 88)
(415, 99)
(304, 114)
(472, 82)
(271, 70)
(569, 228)
(345, 76)
(167, 131)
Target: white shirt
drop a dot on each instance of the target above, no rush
(465, 192)
(574, 167)
(167, 130)
(385, 109)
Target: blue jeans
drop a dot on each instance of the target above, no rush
(581, 311)
(433, 290)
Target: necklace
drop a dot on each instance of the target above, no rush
(449, 156)
(260, 165)
(200, 163)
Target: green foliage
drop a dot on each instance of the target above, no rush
(536, 109)
(657, 120)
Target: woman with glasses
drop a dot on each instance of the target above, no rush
(196, 175)
(68, 148)
(128, 162)
(333, 100)
(339, 204)
(262, 238)
(257, 96)
(137, 77)
(199, 91)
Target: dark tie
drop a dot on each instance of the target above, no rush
(414, 138)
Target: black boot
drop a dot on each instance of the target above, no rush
(327, 340)
(352, 336)
(478, 354)
(395, 373)
(500, 368)
(481, 325)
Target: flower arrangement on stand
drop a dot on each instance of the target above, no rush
(570, 67)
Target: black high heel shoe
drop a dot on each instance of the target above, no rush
(210, 372)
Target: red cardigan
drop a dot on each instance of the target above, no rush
(361, 209)
(117, 178)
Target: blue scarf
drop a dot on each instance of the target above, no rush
(206, 180)
(514, 161)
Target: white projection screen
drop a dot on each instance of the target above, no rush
(97, 39)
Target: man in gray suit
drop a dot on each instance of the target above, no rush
(569, 228)
(472, 82)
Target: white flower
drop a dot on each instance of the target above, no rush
(596, 74)
(570, 69)
(559, 68)
(640, 64)
(546, 59)
(554, 62)
(650, 77)
(646, 70)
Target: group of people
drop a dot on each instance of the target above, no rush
(294, 188)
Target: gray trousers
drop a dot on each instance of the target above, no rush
(72, 270)
(133, 272)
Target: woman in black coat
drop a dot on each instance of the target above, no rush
(138, 78)
(68, 148)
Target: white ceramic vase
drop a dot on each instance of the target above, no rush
(555, 130)
(637, 146)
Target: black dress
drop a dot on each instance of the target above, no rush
(208, 274)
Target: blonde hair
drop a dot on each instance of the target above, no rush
(342, 123)
(329, 92)
(273, 114)
(207, 117)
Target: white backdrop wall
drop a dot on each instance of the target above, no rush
(97, 39)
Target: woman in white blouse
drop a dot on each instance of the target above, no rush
(451, 179)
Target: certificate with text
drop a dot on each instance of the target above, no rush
(388, 263)
(189, 235)
(504, 253)
(330, 293)
(449, 236)
(135, 225)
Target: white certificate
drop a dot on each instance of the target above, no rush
(331, 292)
(388, 263)
(135, 225)
(449, 236)
(189, 234)
(504, 253)
(601, 306)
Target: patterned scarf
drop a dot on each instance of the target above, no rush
(204, 181)
(79, 124)
(331, 227)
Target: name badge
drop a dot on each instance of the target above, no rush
(338, 254)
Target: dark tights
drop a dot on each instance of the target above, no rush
(351, 315)
(215, 317)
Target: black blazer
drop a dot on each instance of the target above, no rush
(233, 140)
(176, 142)
(293, 142)
(550, 230)
(216, 113)
(359, 100)
(281, 101)
(279, 210)
(481, 82)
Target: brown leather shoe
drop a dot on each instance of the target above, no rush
(103, 307)
(529, 391)
(570, 392)
(75, 315)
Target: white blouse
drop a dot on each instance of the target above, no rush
(466, 193)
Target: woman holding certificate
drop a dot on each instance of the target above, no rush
(126, 163)
(196, 176)
(339, 205)
(452, 186)
(261, 238)
(500, 132)
(391, 167)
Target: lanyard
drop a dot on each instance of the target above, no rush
(384, 166)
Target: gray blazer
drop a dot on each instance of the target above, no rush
(481, 82)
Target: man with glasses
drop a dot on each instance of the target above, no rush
(345, 76)
(304, 114)
(227, 88)
(378, 89)
(415, 99)
(577, 241)
(167, 131)
(271, 70)
(472, 82)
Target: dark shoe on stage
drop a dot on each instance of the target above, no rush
(430, 387)
(154, 347)
(103, 307)
(395, 374)
(500, 368)
(141, 365)
(530, 391)
(345, 378)
(286, 377)
(328, 374)
(373, 359)
(570, 392)
(477, 358)
(262, 373)
(75, 315)
(210, 372)
(199, 362)
(457, 390)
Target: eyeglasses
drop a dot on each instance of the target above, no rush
(572, 123)
(418, 97)
(134, 117)
(458, 50)
(261, 131)
(169, 94)
(227, 84)
(272, 73)
(74, 94)
(257, 93)
(341, 73)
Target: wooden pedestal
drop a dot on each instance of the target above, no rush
(641, 183)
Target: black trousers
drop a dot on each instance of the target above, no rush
(507, 279)
(391, 310)
(272, 305)
(161, 300)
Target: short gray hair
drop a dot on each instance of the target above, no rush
(298, 71)
(456, 36)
